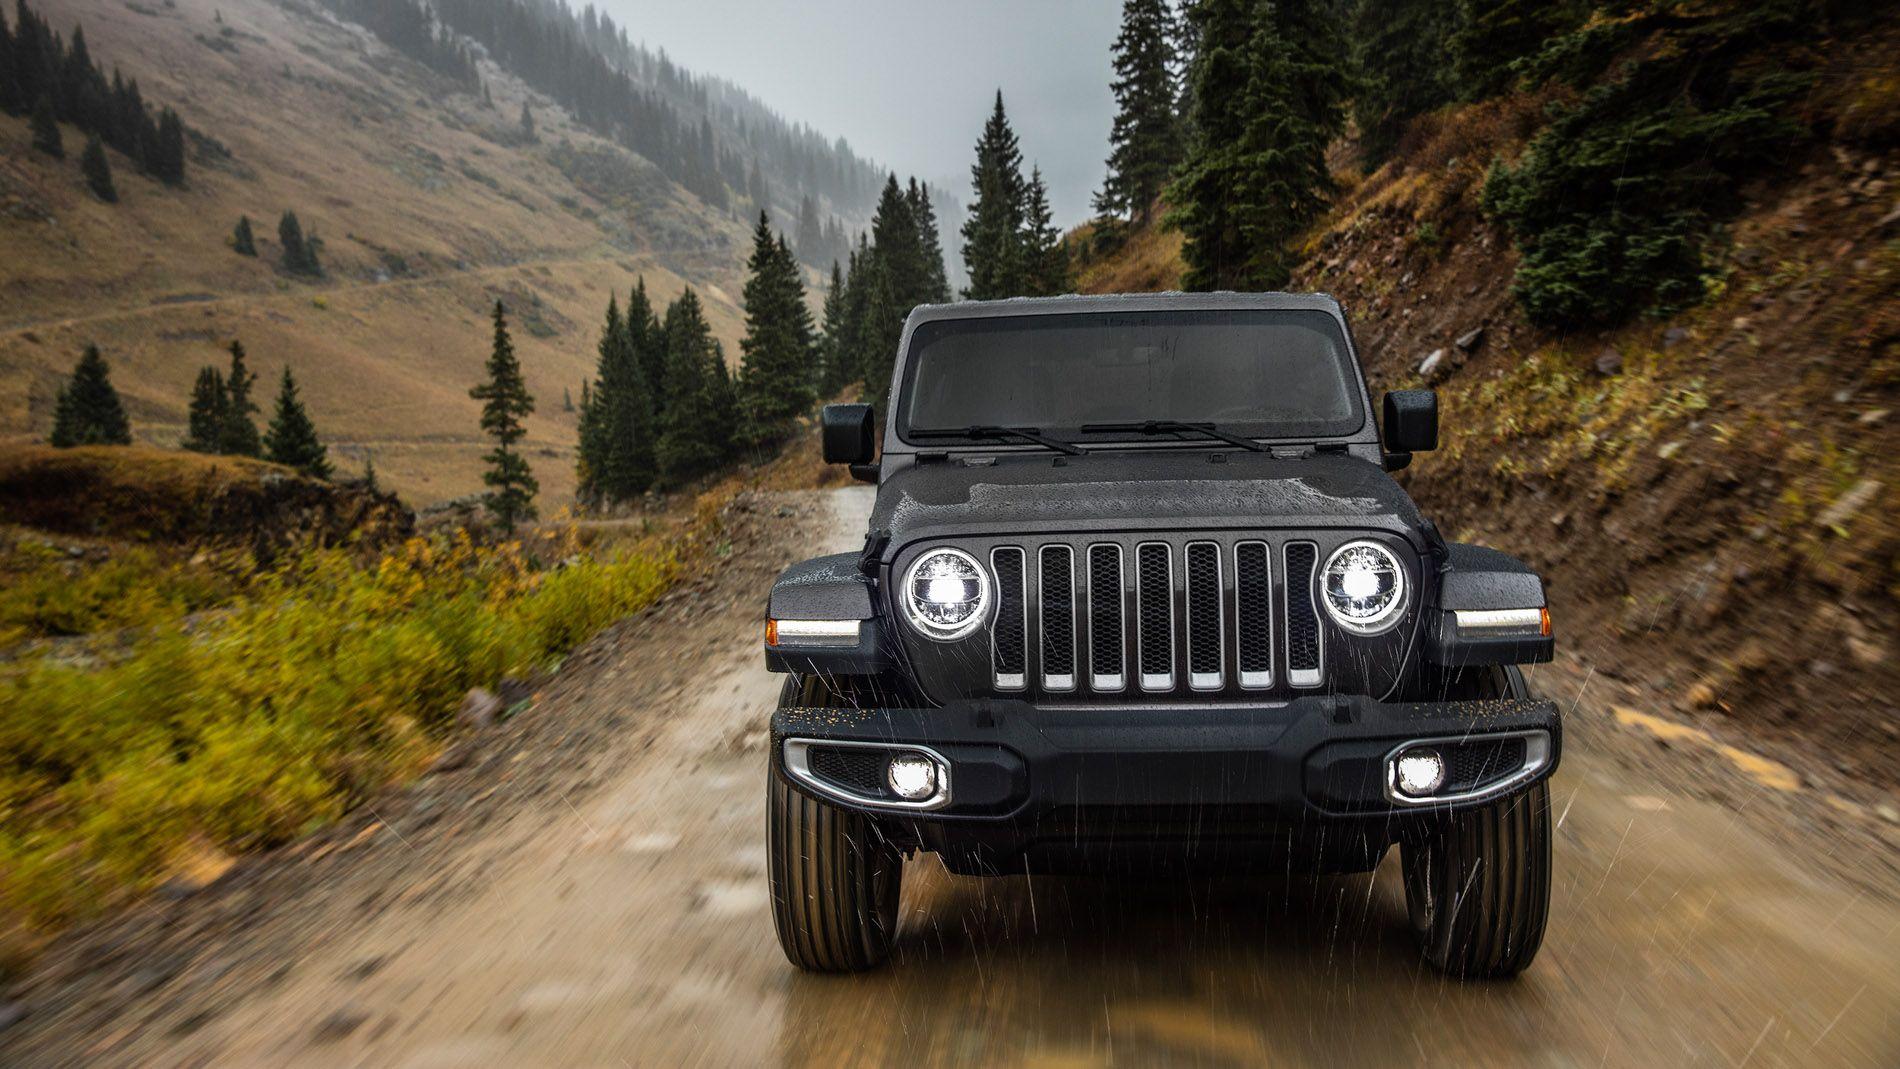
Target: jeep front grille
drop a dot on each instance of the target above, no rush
(1197, 614)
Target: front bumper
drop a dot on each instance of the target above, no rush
(1023, 778)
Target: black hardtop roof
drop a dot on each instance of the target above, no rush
(1126, 302)
(894, 442)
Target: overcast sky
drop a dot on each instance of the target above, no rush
(909, 83)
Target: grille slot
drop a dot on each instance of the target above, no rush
(1009, 638)
(859, 771)
(1253, 614)
(1304, 652)
(1205, 617)
(1154, 601)
(1482, 762)
(1057, 603)
(1107, 643)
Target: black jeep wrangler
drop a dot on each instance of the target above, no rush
(1139, 592)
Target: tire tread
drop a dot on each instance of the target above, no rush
(834, 880)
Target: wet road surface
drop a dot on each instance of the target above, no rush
(627, 924)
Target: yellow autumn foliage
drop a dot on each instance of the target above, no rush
(326, 679)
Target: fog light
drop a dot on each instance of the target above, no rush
(1420, 772)
(912, 776)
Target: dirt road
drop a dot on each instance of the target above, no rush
(586, 888)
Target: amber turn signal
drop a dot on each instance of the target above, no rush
(771, 630)
(1543, 616)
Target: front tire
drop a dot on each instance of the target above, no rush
(834, 878)
(1477, 886)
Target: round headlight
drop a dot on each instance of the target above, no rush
(945, 593)
(1363, 587)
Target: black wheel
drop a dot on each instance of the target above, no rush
(1477, 886)
(834, 878)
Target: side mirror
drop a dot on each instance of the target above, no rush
(848, 434)
(1411, 425)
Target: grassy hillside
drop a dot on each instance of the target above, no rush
(1699, 488)
(429, 206)
(207, 656)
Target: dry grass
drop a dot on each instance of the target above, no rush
(134, 492)
(376, 158)
(1148, 262)
(181, 502)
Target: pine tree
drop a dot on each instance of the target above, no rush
(300, 254)
(934, 287)
(46, 135)
(567, 399)
(833, 370)
(9, 78)
(1269, 91)
(1398, 49)
(837, 246)
(292, 439)
(724, 391)
(854, 362)
(992, 235)
(168, 159)
(883, 328)
(617, 432)
(505, 404)
(242, 239)
(1145, 142)
(693, 440)
(237, 434)
(590, 453)
(811, 233)
(88, 411)
(1187, 52)
(649, 342)
(756, 192)
(71, 77)
(777, 351)
(1492, 34)
(528, 132)
(894, 234)
(1618, 205)
(206, 421)
(98, 171)
(1044, 253)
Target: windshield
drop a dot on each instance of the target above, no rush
(1259, 373)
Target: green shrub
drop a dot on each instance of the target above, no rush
(1617, 205)
(329, 680)
(48, 596)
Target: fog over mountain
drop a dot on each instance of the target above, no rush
(909, 84)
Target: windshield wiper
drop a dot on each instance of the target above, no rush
(1172, 426)
(1028, 434)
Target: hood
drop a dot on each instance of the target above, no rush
(1133, 491)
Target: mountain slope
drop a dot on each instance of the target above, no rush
(1701, 488)
(430, 206)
